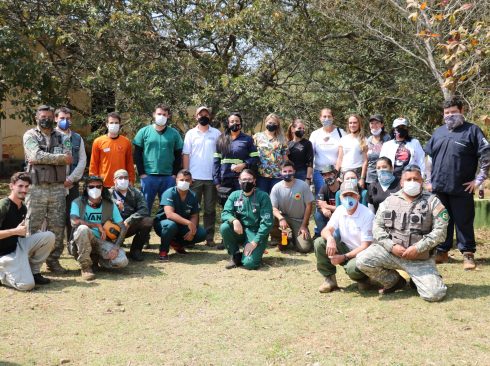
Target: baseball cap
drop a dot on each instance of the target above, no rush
(121, 173)
(349, 187)
(201, 108)
(377, 117)
(328, 169)
(400, 121)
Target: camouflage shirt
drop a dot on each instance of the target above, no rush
(39, 149)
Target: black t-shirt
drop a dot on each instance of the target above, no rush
(376, 195)
(10, 217)
(301, 154)
(328, 195)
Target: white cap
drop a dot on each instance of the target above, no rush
(201, 109)
(400, 121)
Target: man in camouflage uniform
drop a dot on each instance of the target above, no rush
(47, 154)
(408, 225)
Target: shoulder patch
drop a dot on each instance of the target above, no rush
(443, 215)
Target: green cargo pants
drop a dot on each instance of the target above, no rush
(232, 242)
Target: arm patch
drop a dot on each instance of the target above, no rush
(443, 215)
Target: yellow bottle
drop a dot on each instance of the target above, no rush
(284, 238)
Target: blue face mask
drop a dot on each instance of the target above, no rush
(348, 202)
(385, 177)
(327, 122)
(64, 124)
(353, 180)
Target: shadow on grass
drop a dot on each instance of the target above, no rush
(289, 261)
(7, 363)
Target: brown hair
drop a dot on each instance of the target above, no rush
(114, 115)
(294, 124)
(20, 176)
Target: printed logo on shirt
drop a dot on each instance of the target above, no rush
(93, 217)
(297, 196)
(107, 149)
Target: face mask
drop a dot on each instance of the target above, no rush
(327, 122)
(401, 133)
(247, 186)
(299, 133)
(113, 128)
(160, 120)
(203, 121)
(271, 127)
(376, 132)
(412, 188)
(182, 185)
(94, 193)
(453, 120)
(122, 183)
(354, 180)
(385, 177)
(46, 123)
(64, 124)
(348, 202)
(236, 127)
(288, 177)
(329, 181)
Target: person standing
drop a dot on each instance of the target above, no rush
(455, 149)
(47, 154)
(403, 149)
(111, 152)
(408, 225)
(385, 184)
(325, 142)
(272, 147)
(198, 154)
(62, 117)
(374, 144)
(21, 257)
(300, 151)
(158, 155)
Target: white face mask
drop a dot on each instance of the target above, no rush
(114, 128)
(183, 185)
(94, 193)
(160, 120)
(376, 132)
(122, 183)
(412, 188)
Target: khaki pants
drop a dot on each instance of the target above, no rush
(206, 190)
(17, 268)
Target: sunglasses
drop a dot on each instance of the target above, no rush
(92, 186)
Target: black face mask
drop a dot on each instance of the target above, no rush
(236, 127)
(288, 177)
(299, 133)
(329, 181)
(46, 123)
(203, 121)
(247, 186)
(402, 132)
(271, 127)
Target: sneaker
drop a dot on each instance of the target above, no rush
(397, 286)
(55, 267)
(442, 257)
(136, 255)
(220, 246)
(329, 285)
(88, 274)
(468, 261)
(163, 256)
(178, 248)
(39, 279)
(231, 264)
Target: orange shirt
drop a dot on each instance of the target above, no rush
(109, 155)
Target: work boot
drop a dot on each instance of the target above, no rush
(329, 285)
(87, 274)
(55, 267)
(39, 279)
(231, 264)
(366, 285)
(441, 257)
(136, 255)
(468, 261)
(397, 286)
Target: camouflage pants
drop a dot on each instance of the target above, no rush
(381, 266)
(46, 204)
(90, 248)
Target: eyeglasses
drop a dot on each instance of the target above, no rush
(92, 186)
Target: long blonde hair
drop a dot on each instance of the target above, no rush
(279, 133)
(360, 132)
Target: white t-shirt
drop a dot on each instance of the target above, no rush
(354, 228)
(351, 147)
(325, 146)
(201, 146)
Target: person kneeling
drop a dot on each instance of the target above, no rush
(247, 221)
(292, 203)
(408, 225)
(353, 222)
(177, 220)
(134, 211)
(90, 244)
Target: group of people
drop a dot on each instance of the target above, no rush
(379, 203)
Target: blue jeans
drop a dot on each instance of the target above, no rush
(152, 185)
(300, 174)
(321, 221)
(169, 231)
(318, 181)
(266, 184)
